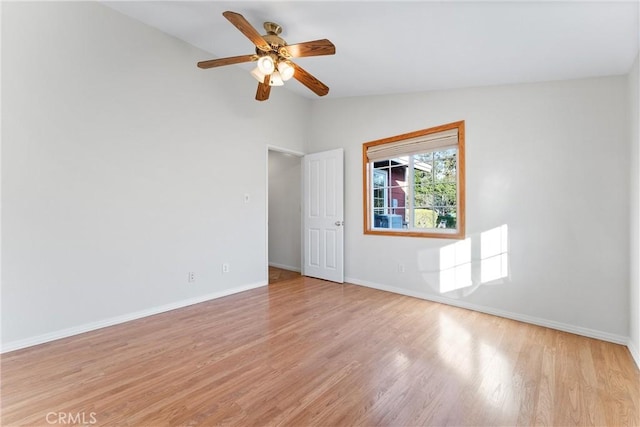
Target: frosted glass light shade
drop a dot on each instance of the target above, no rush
(257, 74)
(286, 70)
(266, 64)
(275, 79)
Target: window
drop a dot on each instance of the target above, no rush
(414, 183)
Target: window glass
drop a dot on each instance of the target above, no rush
(419, 190)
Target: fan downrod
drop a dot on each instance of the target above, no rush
(272, 28)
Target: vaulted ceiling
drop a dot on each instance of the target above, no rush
(387, 47)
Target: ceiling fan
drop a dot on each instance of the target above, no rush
(273, 57)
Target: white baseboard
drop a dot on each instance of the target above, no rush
(591, 333)
(285, 267)
(635, 354)
(87, 327)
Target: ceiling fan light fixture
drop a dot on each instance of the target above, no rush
(257, 74)
(266, 65)
(275, 79)
(286, 70)
(273, 57)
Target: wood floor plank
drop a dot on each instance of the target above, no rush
(304, 351)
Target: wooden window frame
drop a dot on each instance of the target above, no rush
(459, 233)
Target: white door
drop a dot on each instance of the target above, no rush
(323, 230)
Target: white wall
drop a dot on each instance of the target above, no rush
(285, 234)
(549, 160)
(124, 167)
(634, 300)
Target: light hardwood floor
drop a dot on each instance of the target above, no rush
(306, 352)
(277, 274)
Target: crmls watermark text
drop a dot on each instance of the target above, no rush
(71, 418)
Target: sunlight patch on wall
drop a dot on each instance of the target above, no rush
(494, 254)
(455, 266)
(459, 269)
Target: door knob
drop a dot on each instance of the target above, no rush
(339, 223)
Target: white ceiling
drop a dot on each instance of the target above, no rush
(387, 47)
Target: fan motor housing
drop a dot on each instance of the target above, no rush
(272, 37)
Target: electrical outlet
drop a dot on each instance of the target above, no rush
(225, 268)
(400, 268)
(191, 277)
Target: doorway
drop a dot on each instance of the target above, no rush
(284, 214)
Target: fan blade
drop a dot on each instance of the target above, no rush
(264, 89)
(246, 29)
(309, 81)
(226, 61)
(313, 48)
